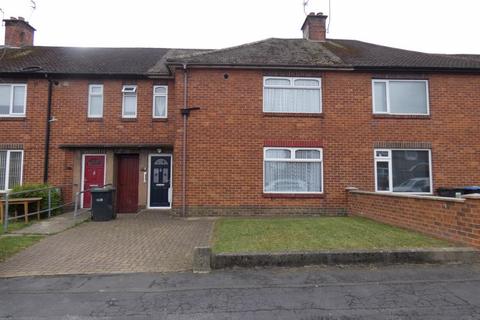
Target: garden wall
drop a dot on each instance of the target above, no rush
(455, 219)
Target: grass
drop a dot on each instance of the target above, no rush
(11, 245)
(315, 233)
(12, 226)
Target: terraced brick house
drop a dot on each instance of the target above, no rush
(275, 126)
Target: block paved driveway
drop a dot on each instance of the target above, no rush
(144, 242)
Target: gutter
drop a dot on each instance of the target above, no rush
(344, 68)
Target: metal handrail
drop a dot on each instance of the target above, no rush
(40, 189)
(49, 209)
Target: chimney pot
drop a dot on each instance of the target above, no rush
(314, 27)
(18, 32)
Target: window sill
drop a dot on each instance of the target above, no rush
(159, 119)
(293, 195)
(13, 118)
(401, 116)
(296, 115)
(128, 119)
(95, 119)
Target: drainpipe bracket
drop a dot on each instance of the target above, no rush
(186, 111)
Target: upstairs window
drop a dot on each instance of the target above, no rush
(292, 170)
(95, 101)
(160, 101)
(129, 108)
(11, 166)
(13, 99)
(403, 171)
(292, 95)
(403, 97)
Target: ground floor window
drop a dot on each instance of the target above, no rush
(403, 170)
(11, 166)
(292, 170)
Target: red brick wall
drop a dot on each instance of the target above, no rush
(452, 219)
(72, 126)
(17, 34)
(29, 131)
(227, 135)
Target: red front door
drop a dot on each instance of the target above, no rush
(127, 183)
(93, 176)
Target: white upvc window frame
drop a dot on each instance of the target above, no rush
(293, 159)
(292, 86)
(387, 92)
(166, 101)
(11, 114)
(129, 89)
(390, 169)
(90, 94)
(7, 169)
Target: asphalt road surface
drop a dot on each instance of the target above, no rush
(433, 292)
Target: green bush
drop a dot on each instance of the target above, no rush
(31, 191)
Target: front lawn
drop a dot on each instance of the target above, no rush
(313, 233)
(9, 245)
(12, 226)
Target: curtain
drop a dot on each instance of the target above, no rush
(15, 169)
(130, 104)
(3, 169)
(160, 106)
(293, 176)
(292, 100)
(96, 105)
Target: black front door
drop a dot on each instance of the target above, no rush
(160, 181)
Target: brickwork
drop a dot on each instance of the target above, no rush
(18, 33)
(146, 242)
(449, 218)
(226, 136)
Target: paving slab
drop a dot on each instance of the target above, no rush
(55, 224)
(150, 241)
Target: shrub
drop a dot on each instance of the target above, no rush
(31, 191)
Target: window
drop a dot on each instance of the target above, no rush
(129, 109)
(13, 99)
(11, 166)
(292, 95)
(95, 101)
(160, 101)
(408, 97)
(403, 171)
(292, 170)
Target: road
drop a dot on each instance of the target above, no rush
(314, 293)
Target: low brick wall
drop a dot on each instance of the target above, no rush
(448, 218)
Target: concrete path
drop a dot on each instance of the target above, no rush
(426, 292)
(144, 242)
(55, 224)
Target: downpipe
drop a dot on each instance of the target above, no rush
(184, 141)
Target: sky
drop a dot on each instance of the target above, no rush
(438, 26)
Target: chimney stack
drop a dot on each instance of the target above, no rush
(18, 32)
(314, 27)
